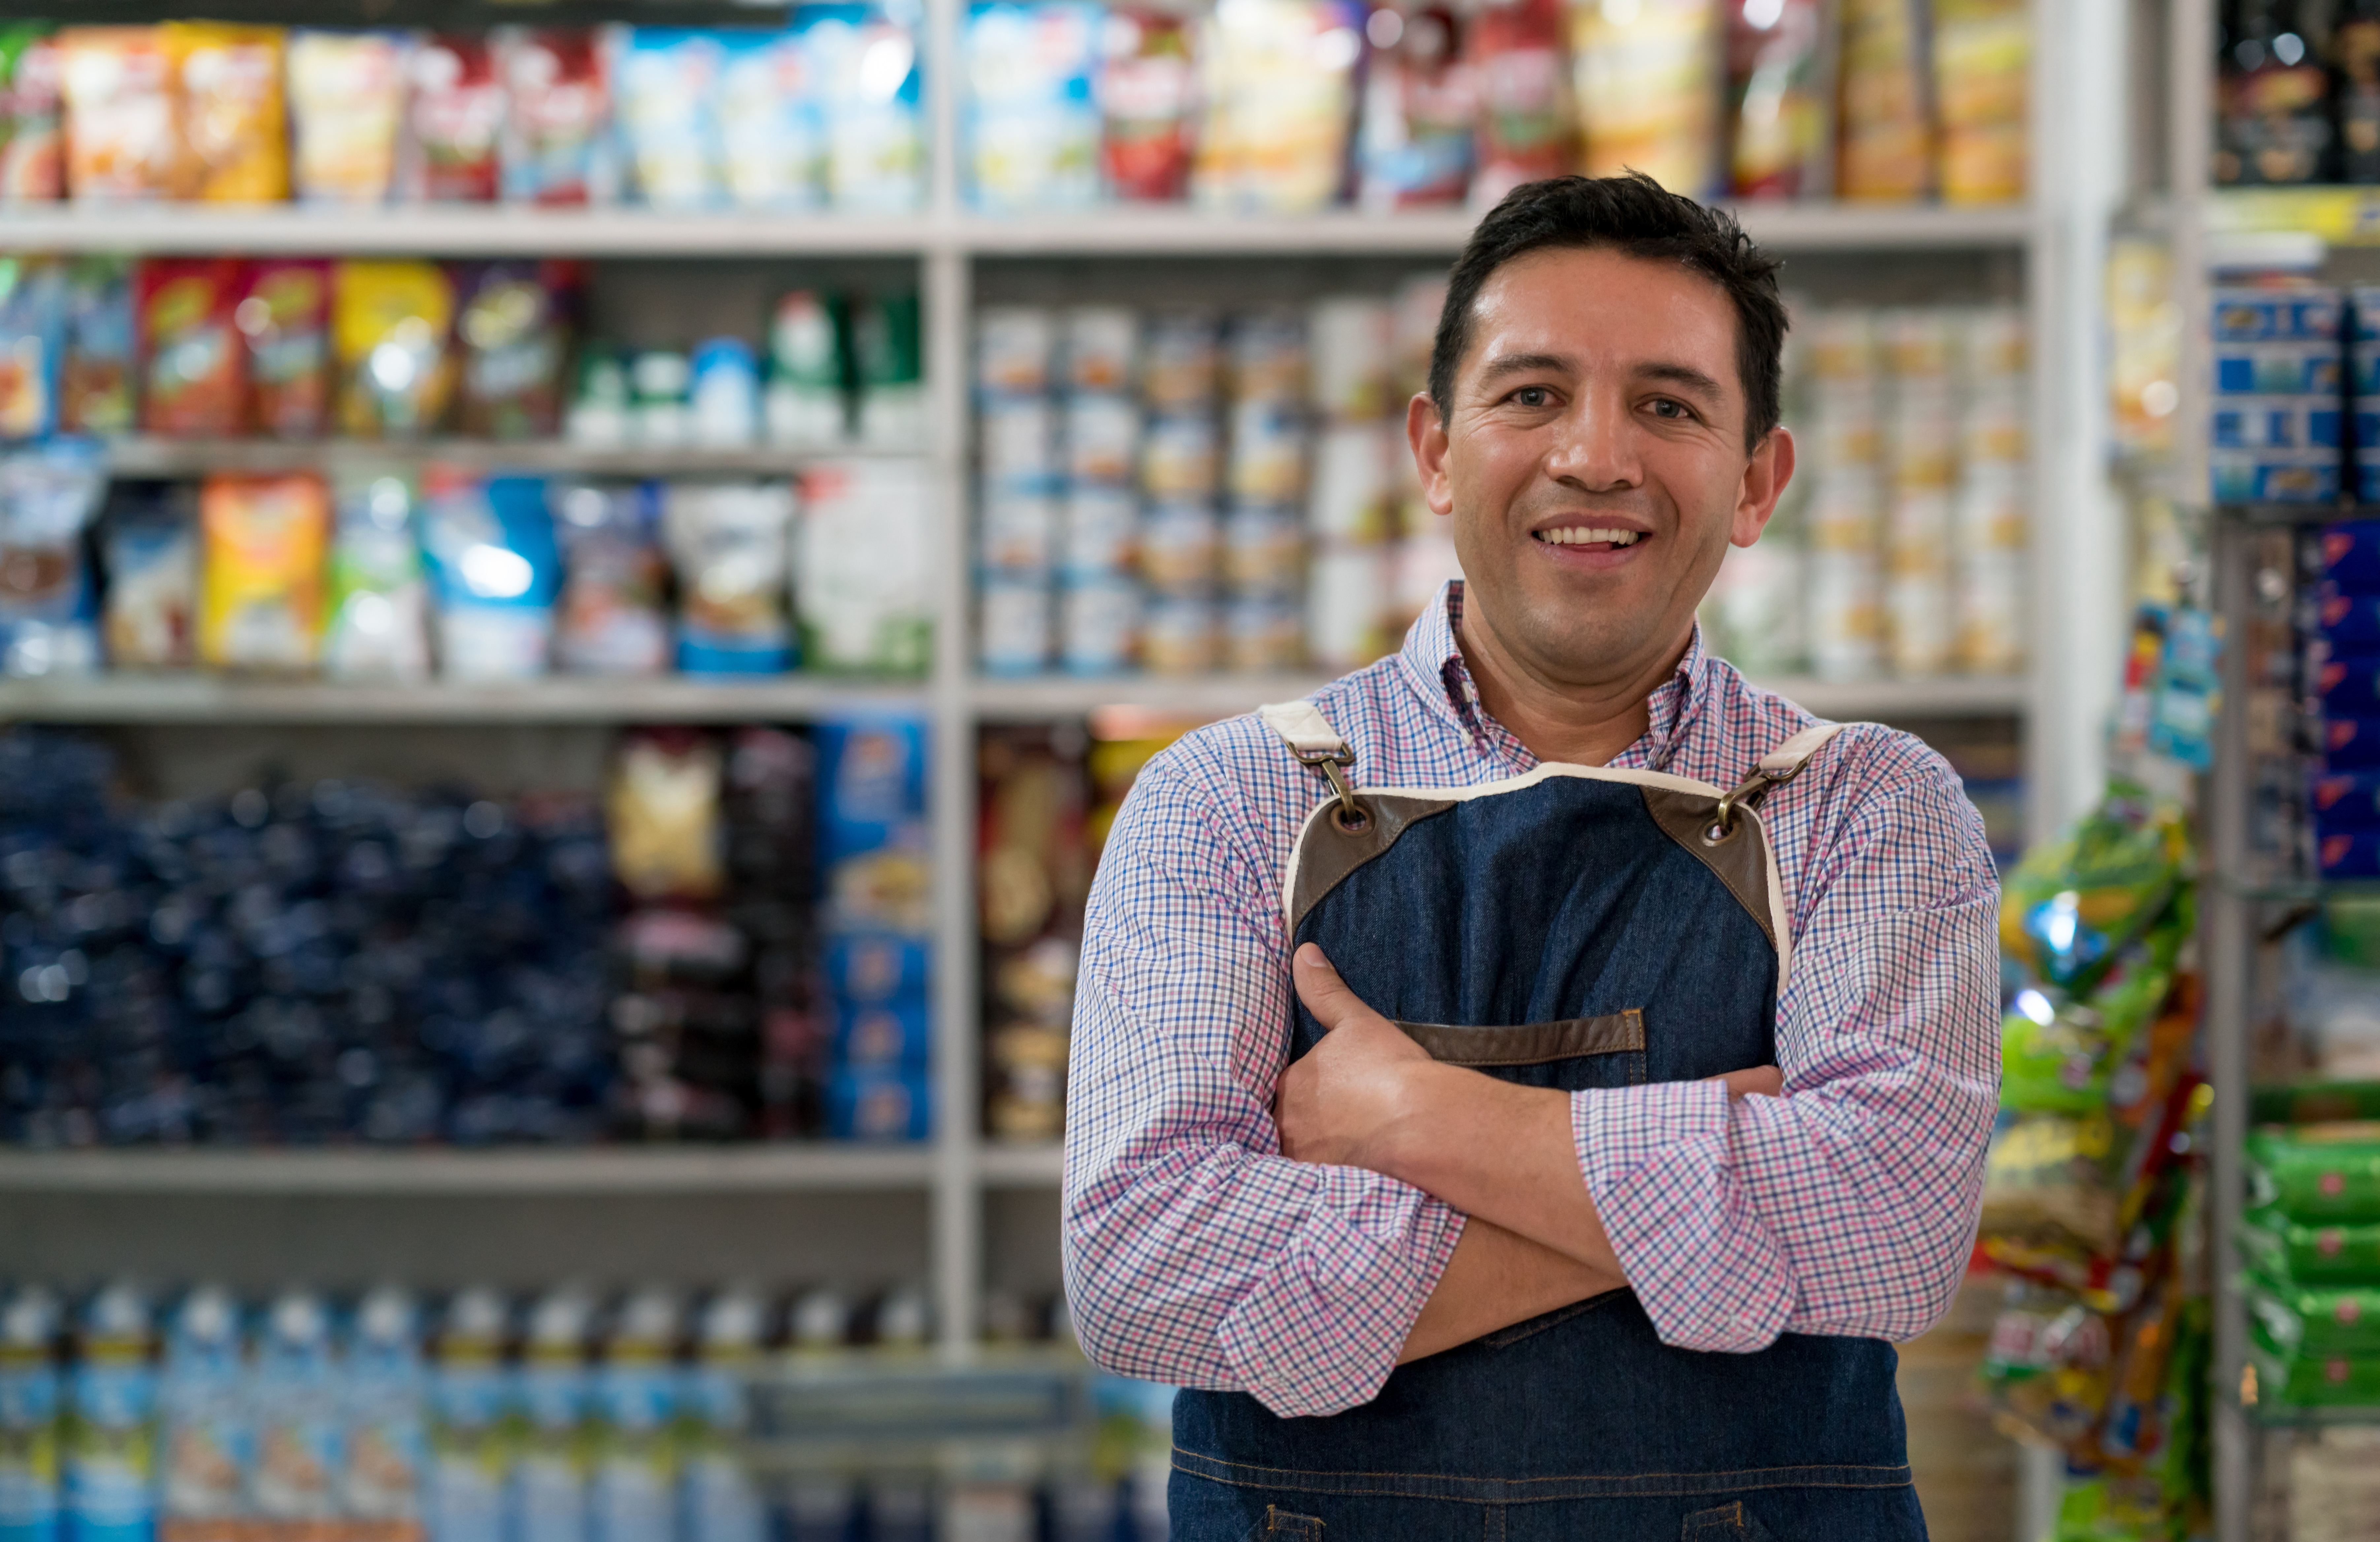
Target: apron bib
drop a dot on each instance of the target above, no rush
(1573, 927)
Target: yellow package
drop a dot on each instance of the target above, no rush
(264, 540)
(1982, 61)
(1886, 148)
(347, 94)
(116, 93)
(227, 97)
(392, 327)
(1648, 90)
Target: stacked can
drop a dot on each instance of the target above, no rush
(2363, 323)
(1264, 529)
(2276, 430)
(1988, 522)
(1844, 518)
(1921, 432)
(1181, 476)
(1099, 518)
(1015, 351)
(1352, 505)
(877, 888)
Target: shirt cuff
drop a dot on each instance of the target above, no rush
(1320, 1329)
(1657, 1162)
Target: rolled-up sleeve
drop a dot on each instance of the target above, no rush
(1849, 1205)
(1195, 1252)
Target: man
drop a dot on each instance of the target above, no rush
(1410, 1297)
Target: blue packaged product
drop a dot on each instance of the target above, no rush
(387, 1443)
(732, 544)
(1015, 621)
(2349, 742)
(2363, 371)
(870, 970)
(1098, 626)
(2274, 476)
(95, 384)
(772, 139)
(2253, 314)
(2276, 423)
(470, 1451)
(32, 342)
(28, 1416)
(2363, 427)
(871, 784)
(665, 77)
(300, 1422)
(885, 1036)
(879, 1105)
(2361, 322)
(2349, 686)
(2366, 485)
(633, 1493)
(1032, 115)
(2349, 853)
(49, 612)
(2344, 800)
(724, 401)
(2347, 623)
(2278, 368)
(495, 571)
(210, 1436)
(2350, 554)
(865, 60)
(548, 1499)
(111, 1467)
(718, 1500)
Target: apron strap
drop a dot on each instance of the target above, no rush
(1311, 738)
(1776, 767)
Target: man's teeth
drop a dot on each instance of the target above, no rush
(1572, 535)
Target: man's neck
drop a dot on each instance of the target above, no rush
(1583, 723)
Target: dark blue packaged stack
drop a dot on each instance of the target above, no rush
(878, 908)
(2342, 679)
(2275, 431)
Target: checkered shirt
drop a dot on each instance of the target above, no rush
(1197, 1253)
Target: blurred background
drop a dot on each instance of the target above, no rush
(581, 581)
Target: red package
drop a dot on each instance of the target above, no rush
(456, 115)
(558, 115)
(1526, 130)
(193, 364)
(1146, 94)
(285, 319)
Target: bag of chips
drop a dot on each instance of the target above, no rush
(2315, 1173)
(346, 101)
(864, 62)
(117, 90)
(1279, 100)
(284, 320)
(513, 326)
(730, 544)
(96, 390)
(193, 362)
(2071, 904)
(48, 612)
(613, 621)
(556, 143)
(772, 143)
(379, 627)
(261, 599)
(32, 144)
(1528, 129)
(1420, 103)
(390, 329)
(454, 118)
(1146, 91)
(663, 812)
(666, 76)
(495, 571)
(33, 338)
(235, 135)
(150, 544)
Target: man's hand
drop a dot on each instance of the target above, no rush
(1338, 1103)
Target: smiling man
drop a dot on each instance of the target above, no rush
(1521, 1090)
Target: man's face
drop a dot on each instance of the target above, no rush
(1593, 459)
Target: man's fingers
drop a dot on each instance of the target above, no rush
(1766, 1080)
(1319, 987)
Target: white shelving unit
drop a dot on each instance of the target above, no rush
(959, 1175)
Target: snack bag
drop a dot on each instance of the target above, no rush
(864, 61)
(115, 84)
(261, 596)
(1414, 141)
(150, 544)
(346, 100)
(1525, 121)
(95, 385)
(513, 329)
(1983, 56)
(1278, 79)
(1777, 110)
(555, 145)
(613, 621)
(772, 143)
(730, 544)
(379, 626)
(390, 329)
(2071, 904)
(455, 115)
(33, 336)
(33, 154)
(2315, 1173)
(494, 574)
(1648, 93)
(235, 135)
(47, 612)
(1147, 88)
(192, 361)
(1884, 142)
(861, 569)
(285, 321)
(667, 76)
(1033, 128)
(662, 814)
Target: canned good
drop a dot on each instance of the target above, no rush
(1178, 637)
(1099, 533)
(1918, 622)
(1015, 626)
(1178, 456)
(1017, 437)
(1354, 493)
(1263, 634)
(1267, 352)
(1347, 623)
(1180, 357)
(1013, 345)
(1917, 532)
(1178, 550)
(1102, 436)
(1349, 356)
(1262, 553)
(1849, 427)
(1992, 426)
(1019, 532)
(1924, 433)
(1846, 614)
(1752, 616)
(1268, 459)
(1918, 343)
(1991, 587)
(1098, 626)
(1846, 511)
(1844, 343)
(1990, 514)
(1994, 344)
(1103, 344)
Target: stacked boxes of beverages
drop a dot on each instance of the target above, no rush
(1352, 504)
(878, 913)
(2277, 406)
(2343, 681)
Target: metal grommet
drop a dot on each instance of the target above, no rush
(1718, 832)
(1351, 820)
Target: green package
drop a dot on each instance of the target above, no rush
(2312, 1380)
(2319, 1320)
(2072, 905)
(2315, 1103)
(2289, 1253)
(2316, 1173)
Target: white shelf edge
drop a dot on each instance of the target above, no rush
(170, 698)
(143, 455)
(600, 1169)
(1021, 1167)
(1038, 697)
(1947, 695)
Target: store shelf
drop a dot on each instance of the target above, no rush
(1022, 1167)
(2297, 514)
(1154, 231)
(1948, 697)
(125, 699)
(584, 1170)
(2340, 216)
(142, 456)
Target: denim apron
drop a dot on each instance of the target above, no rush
(1571, 928)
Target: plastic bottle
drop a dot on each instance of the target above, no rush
(721, 1502)
(634, 1434)
(111, 1466)
(387, 1444)
(28, 1416)
(300, 1427)
(470, 1447)
(209, 1432)
(549, 1482)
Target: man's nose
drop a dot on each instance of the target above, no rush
(1596, 445)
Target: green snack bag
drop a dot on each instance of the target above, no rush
(2289, 1253)
(2312, 1380)
(2072, 904)
(2316, 1173)
(2318, 1321)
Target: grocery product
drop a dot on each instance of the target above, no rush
(300, 1427)
(864, 60)
(469, 1438)
(632, 1489)
(1983, 59)
(1527, 120)
(2278, 359)
(149, 547)
(660, 391)
(860, 573)
(1647, 97)
(610, 620)
(721, 1501)
(229, 114)
(32, 167)
(549, 1496)
(284, 323)
(665, 77)
(378, 603)
(117, 90)
(95, 379)
(260, 593)
(386, 1438)
(1885, 144)
(555, 145)
(1278, 79)
(111, 1455)
(1147, 87)
(193, 370)
(599, 412)
(391, 333)
(33, 341)
(723, 394)
(512, 324)
(1420, 105)
(30, 1407)
(1033, 124)
(2273, 107)
(888, 366)
(454, 114)
(730, 543)
(345, 102)
(772, 143)
(803, 398)
(494, 574)
(48, 614)
(871, 831)
(1777, 113)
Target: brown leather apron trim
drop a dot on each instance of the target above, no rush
(1531, 1043)
(1741, 861)
(1328, 854)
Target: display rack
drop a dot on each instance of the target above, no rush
(2045, 243)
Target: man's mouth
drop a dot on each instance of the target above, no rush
(1588, 535)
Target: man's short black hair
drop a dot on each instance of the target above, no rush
(1633, 214)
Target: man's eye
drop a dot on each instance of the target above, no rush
(1533, 395)
(1669, 408)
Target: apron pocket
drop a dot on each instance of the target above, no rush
(1728, 1522)
(1532, 1043)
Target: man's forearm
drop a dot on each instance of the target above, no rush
(1495, 1278)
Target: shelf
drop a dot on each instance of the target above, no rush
(603, 1170)
(124, 698)
(1155, 231)
(143, 456)
(1946, 697)
(2297, 514)
(2340, 216)
(1022, 1167)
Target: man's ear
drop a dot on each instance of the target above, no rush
(1426, 433)
(1764, 479)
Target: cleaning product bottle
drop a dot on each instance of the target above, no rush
(112, 1431)
(471, 1441)
(634, 1431)
(721, 1502)
(548, 1487)
(28, 1416)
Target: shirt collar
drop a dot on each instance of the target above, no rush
(1435, 667)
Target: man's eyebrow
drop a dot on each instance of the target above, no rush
(1521, 364)
(1684, 375)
